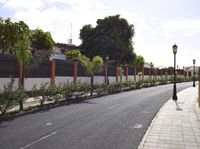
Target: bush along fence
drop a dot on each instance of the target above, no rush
(59, 71)
(13, 99)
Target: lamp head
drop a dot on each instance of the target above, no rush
(194, 61)
(174, 48)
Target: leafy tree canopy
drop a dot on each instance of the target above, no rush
(73, 55)
(10, 33)
(42, 40)
(139, 61)
(111, 37)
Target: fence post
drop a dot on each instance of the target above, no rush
(53, 66)
(143, 72)
(117, 73)
(135, 71)
(126, 72)
(105, 73)
(75, 71)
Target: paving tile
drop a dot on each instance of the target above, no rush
(163, 145)
(177, 146)
(173, 129)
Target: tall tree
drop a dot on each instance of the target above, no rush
(111, 37)
(14, 39)
(42, 40)
(43, 43)
(9, 34)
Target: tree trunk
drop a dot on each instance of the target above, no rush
(92, 85)
(21, 107)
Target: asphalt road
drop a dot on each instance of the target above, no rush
(116, 121)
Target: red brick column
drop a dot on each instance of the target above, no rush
(135, 71)
(117, 73)
(75, 71)
(126, 71)
(53, 68)
(142, 72)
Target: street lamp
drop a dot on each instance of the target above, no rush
(194, 72)
(174, 48)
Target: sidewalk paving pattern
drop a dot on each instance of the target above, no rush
(177, 124)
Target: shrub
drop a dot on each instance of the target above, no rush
(43, 91)
(101, 89)
(7, 97)
(20, 96)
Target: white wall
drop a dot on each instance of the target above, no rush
(30, 82)
(61, 80)
(4, 81)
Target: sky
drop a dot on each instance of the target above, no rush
(158, 24)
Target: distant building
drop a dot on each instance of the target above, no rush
(190, 71)
(60, 49)
(147, 65)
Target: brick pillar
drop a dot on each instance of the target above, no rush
(126, 71)
(142, 72)
(135, 71)
(53, 66)
(105, 73)
(20, 71)
(117, 73)
(75, 71)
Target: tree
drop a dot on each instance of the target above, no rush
(91, 67)
(73, 55)
(111, 37)
(43, 43)
(9, 34)
(139, 61)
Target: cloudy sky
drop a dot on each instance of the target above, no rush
(158, 23)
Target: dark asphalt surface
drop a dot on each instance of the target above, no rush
(116, 121)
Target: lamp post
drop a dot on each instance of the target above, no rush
(174, 48)
(194, 72)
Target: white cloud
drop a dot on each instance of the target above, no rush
(149, 38)
(186, 55)
(183, 27)
(43, 14)
(23, 4)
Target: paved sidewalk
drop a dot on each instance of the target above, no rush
(177, 125)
